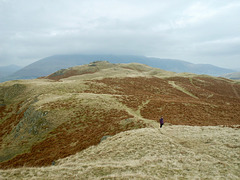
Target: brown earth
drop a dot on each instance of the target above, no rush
(135, 101)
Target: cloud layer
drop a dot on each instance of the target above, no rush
(205, 31)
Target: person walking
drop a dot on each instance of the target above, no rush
(161, 122)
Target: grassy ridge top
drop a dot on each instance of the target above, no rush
(149, 153)
(103, 69)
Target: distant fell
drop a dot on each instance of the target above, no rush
(8, 70)
(105, 69)
(51, 64)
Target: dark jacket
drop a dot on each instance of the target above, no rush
(161, 121)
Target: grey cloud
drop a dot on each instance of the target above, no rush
(188, 30)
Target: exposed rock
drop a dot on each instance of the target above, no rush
(2, 104)
(104, 138)
(33, 122)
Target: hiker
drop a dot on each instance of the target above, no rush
(161, 122)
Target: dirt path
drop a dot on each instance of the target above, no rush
(235, 91)
(182, 89)
(137, 113)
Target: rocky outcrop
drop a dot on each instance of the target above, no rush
(26, 126)
(2, 104)
(33, 122)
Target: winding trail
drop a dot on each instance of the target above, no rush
(137, 113)
(182, 89)
(235, 91)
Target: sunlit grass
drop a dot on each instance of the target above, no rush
(150, 153)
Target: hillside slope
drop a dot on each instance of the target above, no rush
(174, 152)
(47, 119)
(49, 65)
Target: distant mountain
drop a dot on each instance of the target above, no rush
(237, 69)
(51, 64)
(234, 75)
(8, 70)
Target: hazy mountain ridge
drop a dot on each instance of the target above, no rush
(8, 70)
(47, 119)
(51, 64)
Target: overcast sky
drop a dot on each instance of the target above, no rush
(197, 31)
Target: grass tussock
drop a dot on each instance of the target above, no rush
(174, 152)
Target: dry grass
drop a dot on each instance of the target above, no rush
(174, 152)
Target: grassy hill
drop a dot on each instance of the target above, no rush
(174, 152)
(48, 119)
